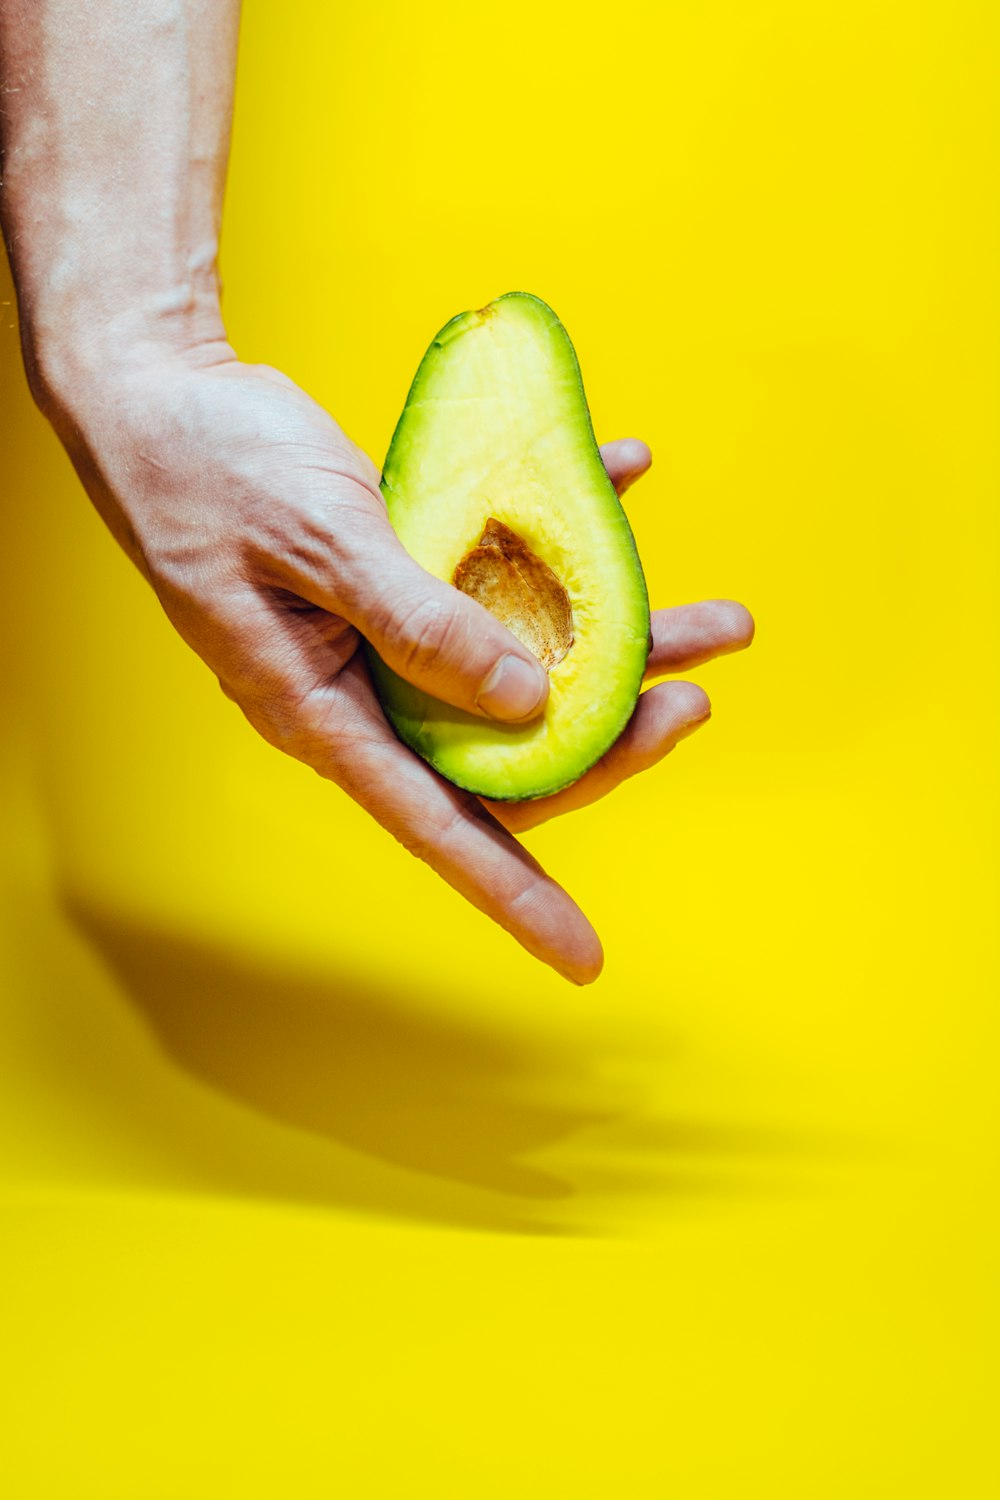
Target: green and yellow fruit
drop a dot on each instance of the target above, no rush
(494, 482)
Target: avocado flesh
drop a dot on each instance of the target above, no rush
(496, 430)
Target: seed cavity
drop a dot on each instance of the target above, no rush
(521, 590)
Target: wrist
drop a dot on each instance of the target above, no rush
(85, 330)
(114, 133)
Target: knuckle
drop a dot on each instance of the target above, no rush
(291, 543)
(425, 633)
(526, 896)
(430, 837)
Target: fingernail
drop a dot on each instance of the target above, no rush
(514, 689)
(571, 977)
(695, 722)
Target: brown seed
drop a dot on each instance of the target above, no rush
(521, 590)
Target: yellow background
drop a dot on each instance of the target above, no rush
(312, 1183)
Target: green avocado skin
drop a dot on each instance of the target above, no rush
(496, 423)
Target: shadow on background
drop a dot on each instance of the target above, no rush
(388, 1106)
(342, 1060)
(318, 1089)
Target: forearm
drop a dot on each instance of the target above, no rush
(115, 135)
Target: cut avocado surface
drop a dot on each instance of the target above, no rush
(494, 482)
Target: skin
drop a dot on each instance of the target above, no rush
(256, 520)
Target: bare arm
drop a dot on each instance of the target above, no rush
(115, 136)
(258, 523)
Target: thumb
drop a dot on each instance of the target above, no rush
(436, 637)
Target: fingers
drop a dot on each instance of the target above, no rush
(310, 697)
(691, 634)
(428, 632)
(684, 637)
(626, 460)
(348, 740)
(449, 645)
(663, 716)
(694, 633)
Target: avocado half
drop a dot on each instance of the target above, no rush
(494, 482)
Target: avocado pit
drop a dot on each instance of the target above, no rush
(521, 590)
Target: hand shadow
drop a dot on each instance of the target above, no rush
(385, 1104)
(448, 1104)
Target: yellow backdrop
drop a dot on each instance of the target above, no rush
(312, 1183)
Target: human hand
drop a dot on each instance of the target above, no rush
(263, 532)
(259, 525)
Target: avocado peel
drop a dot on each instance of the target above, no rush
(494, 482)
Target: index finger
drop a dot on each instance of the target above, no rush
(449, 829)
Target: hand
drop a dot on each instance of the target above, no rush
(262, 530)
(259, 525)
